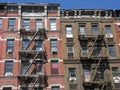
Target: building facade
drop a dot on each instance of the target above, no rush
(30, 38)
(45, 48)
(91, 58)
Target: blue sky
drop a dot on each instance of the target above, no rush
(77, 4)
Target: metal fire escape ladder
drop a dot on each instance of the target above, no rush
(31, 62)
(32, 40)
(34, 84)
(92, 47)
(95, 70)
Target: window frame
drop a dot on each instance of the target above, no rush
(55, 70)
(10, 68)
(38, 24)
(25, 41)
(68, 29)
(26, 24)
(73, 73)
(11, 23)
(53, 44)
(11, 46)
(108, 29)
(111, 50)
(1, 23)
(53, 24)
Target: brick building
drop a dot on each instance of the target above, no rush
(30, 46)
(91, 58)
(45, 48)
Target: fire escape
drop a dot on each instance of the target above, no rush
(33, 75)
(93, 56)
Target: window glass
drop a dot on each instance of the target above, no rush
(95, 29)
(10, 44)
(7, 88)
(39, 24)
(72, 72)
(108, 29)
(53, 24)
(26, 24)
(38, 45)
(11, 23)
(55, 88)
(82, 29)
(111, 50)
(0, 23)
(25, 42)
(24, 66)
(8, 66)
(54, 44)
(68, 29)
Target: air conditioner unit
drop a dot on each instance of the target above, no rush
(8, 74)
(109, 35)
(72, 78)
(54, 50)
(9, 51)
(11, 29)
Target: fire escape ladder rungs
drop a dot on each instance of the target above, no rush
(31, 40)
(95, 70)
(34, 84)
(31, 63)
(92, 48)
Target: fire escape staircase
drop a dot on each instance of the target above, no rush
(34, 75)
(97, 60)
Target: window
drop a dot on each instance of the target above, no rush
(7, 88)
(25, 43)
(72, 72)
(12, 8)
(11, 23)
(54, 67)
(38, 45)
(0, 23)
(115, 71)
(8, 67)
(39, 66)
(24, 66)
(116, 74)
(111, 50)
(53, 45)
(68, 29)
(52, 8)
(10, 45)
(84, 50)
(39, 24)
(118, 27)
(86, 72)
(95, 29)
(55, 88)
(82, 29)
(26, 24)
(70, 52)
(52, 24)
(108, 29)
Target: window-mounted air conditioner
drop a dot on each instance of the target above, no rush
(8, 74)
(109, 35)
(72, 78)
(54, 50)
(11, 29)
(9, 51)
